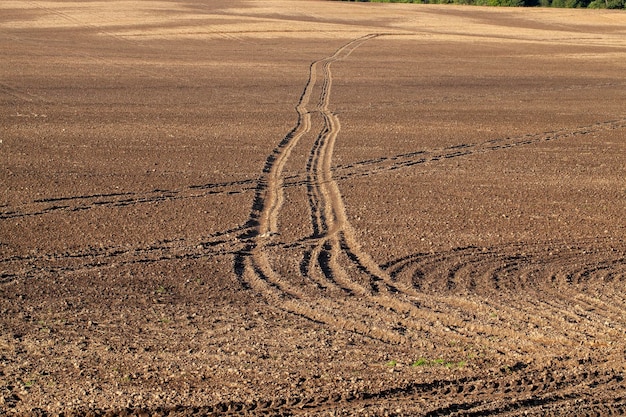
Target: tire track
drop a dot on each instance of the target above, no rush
(332, 262)
(337, 248)
(518, 390)
(334, 258)
(340, 173)
(337, 276)
(411, 159)
(532, 285)
(115, 200)
(254, 265)
(561, 262)
(327, 213)
(557, 291)
(37, 266)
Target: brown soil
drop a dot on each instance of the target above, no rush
(311, 208)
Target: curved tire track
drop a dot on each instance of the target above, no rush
(338, 276)
(419, 291)
(520, 390)
(254, 264)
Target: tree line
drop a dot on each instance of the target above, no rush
(592, 4)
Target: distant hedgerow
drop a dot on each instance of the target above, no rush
(595, 4)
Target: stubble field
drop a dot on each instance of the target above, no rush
(311, 208)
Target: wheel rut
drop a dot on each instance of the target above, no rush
(430, 296)
(555, 296)
(320, 262)
(342, 172)
(520, 390)
(77, 203)
(333, 262)
(339, 284)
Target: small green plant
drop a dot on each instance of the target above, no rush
(392, 363)
(459, 364)
(161, 289)
(438, 362)
(420, 362)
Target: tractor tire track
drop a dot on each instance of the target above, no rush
(336, 250)
(254, 266)
(556, 323)
(337, 275)
(518, 390)
(558, 291)
(332, 259)
(569, 294)
(334, 262)
(340, 173)
(115, 200)
(327, 214)
(575, 262)
(338, 253)
(37, 266)
(421, 157)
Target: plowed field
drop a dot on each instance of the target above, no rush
(311, 208)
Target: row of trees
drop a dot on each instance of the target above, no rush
(595, 4)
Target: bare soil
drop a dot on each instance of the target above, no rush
(311, 208)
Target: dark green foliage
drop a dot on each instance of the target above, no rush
(570, 3)
(596, 4)
(607, 4)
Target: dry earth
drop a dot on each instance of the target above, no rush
(311, 208)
